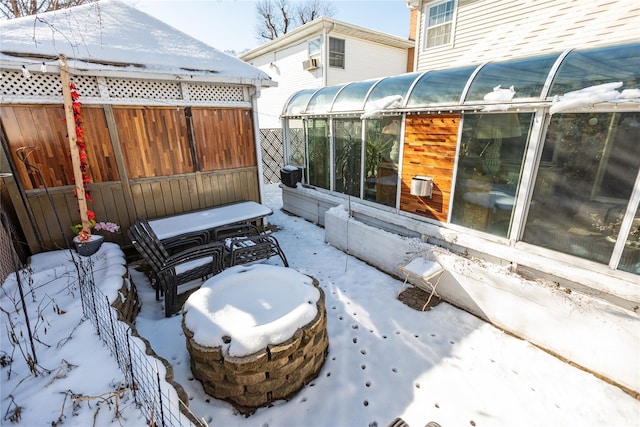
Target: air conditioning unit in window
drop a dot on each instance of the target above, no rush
(310, 64)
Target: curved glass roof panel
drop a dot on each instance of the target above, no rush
(322, 99)
(351, 98)
(396, 85)
(441, 86)
(298, 102)
(527, 76)
(584, 68)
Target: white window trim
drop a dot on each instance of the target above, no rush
(425, 23)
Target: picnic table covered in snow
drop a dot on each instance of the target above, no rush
(209, 219)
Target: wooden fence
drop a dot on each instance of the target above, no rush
(143, 162)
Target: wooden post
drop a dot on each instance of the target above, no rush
(73, 143)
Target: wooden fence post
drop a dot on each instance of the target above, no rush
(73, 143)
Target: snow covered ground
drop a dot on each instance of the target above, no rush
(385, 359)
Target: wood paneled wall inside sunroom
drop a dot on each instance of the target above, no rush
(429, 150)
(143, 162)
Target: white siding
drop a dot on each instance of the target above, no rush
(291, 77)
(366, 60)
(363, 60)
(500, 29)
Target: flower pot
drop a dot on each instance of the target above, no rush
(90, 247)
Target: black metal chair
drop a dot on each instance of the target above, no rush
(235, 230)
(176, 261)
(250, 249)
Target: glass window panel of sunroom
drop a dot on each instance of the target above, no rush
(584, 182)
(348, 155)
(630, 260)
(298, 102)
(442, 86)
(322, 99)
(489, 170)
(382, 139)
(391, 86)
(296, 143)
(351, 98)
(319, 152)
(527, 76)
(584, 68)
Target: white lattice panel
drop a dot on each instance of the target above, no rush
(87, 86)
(143, 89)
(46, 87)
(204, 92)
(14, 83)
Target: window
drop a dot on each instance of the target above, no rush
(336, 52)
(382, 151)
(583, 185)
(489, 170)
(297, 150)
(314, 48)
(347, 155)
(318, 152)
(527, 76)
(439, 24)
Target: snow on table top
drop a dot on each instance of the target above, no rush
(422, 267)
(255, 305)
(208, 218)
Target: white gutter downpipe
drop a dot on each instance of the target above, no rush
(325, 53)
(255, 94)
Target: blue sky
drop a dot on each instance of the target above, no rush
(230, 24)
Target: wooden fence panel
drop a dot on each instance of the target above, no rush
(429, 150)
(154, 141)
(155, 155)
(66, 207)
(231, 186)
(224, 138)
(109, 205)
(44, 127)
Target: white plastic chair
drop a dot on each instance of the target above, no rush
(425, 271)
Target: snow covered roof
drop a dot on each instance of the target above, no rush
(110, 36)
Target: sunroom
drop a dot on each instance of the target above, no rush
(538, 154)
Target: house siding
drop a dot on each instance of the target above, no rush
(363, 60)
(288, 72)
(489, 30)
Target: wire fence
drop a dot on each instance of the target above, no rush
(157, 399)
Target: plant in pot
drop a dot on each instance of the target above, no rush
(88, 243)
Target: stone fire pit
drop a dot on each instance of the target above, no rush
(256, 334)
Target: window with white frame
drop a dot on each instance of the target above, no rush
(336, 52)
(314, 47)
(439, 24)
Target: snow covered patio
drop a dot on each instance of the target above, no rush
(385, 360)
